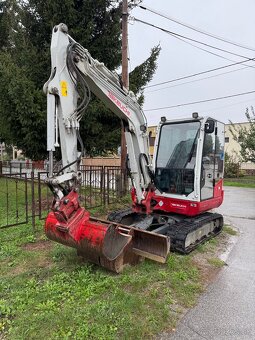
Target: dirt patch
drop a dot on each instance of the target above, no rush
(39, 245)
(209, 272)
(43, 262)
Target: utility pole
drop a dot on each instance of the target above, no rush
(125, 77)
(1, 148)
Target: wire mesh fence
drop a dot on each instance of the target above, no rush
(24, 196)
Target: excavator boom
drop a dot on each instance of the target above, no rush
(111, 245)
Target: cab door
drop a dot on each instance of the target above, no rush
(208, 161)
(212, 158)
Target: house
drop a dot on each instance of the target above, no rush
(232, 147)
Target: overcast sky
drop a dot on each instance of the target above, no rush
(230, 19)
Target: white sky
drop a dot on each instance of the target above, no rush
(231, 19)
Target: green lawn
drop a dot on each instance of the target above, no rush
(46, 291)
(243, 182)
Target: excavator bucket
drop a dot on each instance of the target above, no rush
(108, 244)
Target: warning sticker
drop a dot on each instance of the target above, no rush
(63, 85)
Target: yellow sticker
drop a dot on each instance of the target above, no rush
(63, 85)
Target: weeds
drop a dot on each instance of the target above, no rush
(230, 231)
(216, 262)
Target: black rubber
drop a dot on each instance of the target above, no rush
(178, 232)
(178, 226)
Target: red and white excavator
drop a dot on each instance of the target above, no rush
(171, 195)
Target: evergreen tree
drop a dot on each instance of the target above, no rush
(246, 136)
(25, 66)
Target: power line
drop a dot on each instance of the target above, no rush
(201, 101)
(193, 75)
(184, 37)
(199, 73)
(197, 29)
(230, 105)
(205, 50)
(196, 80)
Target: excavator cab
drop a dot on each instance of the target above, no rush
(188, 164)
(175, 174)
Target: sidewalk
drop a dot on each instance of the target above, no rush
(227, 309)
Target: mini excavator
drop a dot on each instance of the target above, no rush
(171, 195)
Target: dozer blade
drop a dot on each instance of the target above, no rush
(150, 245)
(108, 244)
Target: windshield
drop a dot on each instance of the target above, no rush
(176, 157)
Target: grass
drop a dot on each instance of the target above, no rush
(242, 182)
(47, 291)
(216, 262)
(230, 231)
(208, 246)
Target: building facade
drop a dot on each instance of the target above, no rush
(232, 146)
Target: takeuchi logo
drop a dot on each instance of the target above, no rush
(119, 104)
(178, 205)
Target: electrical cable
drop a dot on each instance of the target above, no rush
(199, 73)
(196, 80)
(205, 50)
(197, 29)
(184, 37)
(201, 101)
(230, 105)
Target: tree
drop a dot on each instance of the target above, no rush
(142, 74)
(232, 166)
(25, 66)
(246, 136)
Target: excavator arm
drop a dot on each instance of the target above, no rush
(73, 66)
(74, 74)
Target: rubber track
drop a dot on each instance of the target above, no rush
(179, 231)
(117, 216)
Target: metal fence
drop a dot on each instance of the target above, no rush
(24, 196)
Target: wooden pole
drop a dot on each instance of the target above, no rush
(125, 77)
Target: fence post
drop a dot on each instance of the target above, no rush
(33, 198)
(103, 184)
(1, 167)
(39, 196)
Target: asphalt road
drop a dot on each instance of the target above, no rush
(227, 309)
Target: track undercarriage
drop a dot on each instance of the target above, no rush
(185, 232)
